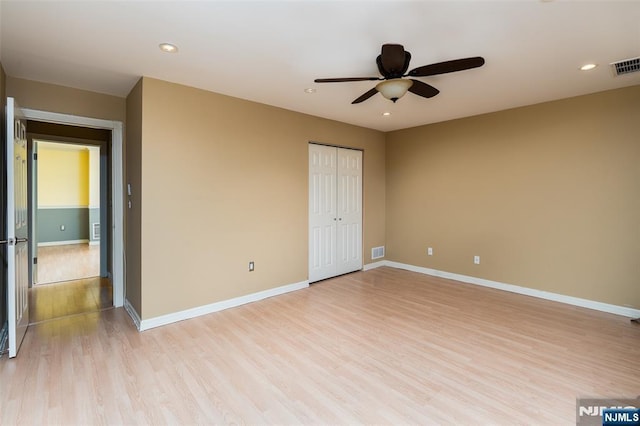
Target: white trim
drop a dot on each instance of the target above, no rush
(569, 300)
(218, 306)
(40, 207)
(374, 265)
(62, 243)
(117, 179)
(132, 313)
(60, 146)
(94, 243)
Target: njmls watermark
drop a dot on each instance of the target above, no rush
(608, 412)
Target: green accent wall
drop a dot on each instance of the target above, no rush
(75, 221)
(94, 217)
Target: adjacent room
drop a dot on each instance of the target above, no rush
(67, 212)
(321, 212)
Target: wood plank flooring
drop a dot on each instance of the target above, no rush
(385, 346)
(57, 300)
(67, 262)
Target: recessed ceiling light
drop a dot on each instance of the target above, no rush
(309, 90)
(386, 113)
(168, 47)
(587, 67)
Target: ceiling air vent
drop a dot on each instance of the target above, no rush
(626, 66)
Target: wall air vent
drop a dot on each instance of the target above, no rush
(377, 252)
(626, 66)
(95, 231)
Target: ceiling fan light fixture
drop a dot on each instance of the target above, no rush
(394, 89)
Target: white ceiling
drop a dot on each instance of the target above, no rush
(270, 51)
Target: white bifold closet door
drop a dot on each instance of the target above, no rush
(335, 211)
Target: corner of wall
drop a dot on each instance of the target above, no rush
(133, 314)
(531, 190)
(133, 193)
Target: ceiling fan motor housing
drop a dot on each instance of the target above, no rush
(393, 61)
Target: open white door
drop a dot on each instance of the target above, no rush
(17, 227)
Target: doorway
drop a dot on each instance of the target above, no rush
(68, 196)
(108, 287)
(69, 268)
(18, 283)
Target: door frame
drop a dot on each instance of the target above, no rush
(117, 187)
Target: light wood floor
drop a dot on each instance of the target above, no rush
(57, 300)
(385, 346)
(67, 262)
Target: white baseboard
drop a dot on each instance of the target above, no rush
(374, 265)
(132, 313)
(569, 300)
(62, 243)
(94, 243)
(147, 324)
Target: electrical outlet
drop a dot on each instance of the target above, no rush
(476, 260)
(62, 227)
(430, 251)
(251, 266)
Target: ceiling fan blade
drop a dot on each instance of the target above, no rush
(423, 89)
(366, 96)
(393, 60)
(447, 66)
(340, 80)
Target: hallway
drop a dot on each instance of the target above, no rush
(52, 301)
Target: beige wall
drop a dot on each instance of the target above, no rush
(3, 83)
(3, 103)
(65, 100)
(547, 195)
(224, 182)
(133, 161)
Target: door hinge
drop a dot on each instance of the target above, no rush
(35, 155)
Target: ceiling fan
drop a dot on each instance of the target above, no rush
(393, 63)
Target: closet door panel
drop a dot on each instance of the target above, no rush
(322, 212)
(349, 211)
